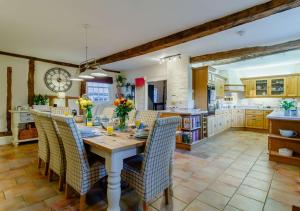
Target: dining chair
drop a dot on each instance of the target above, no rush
(148, 117)
(43, 144)
(81, 173)
(57, 152)
(108, 112)
(149, 174)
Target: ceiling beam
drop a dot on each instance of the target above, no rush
(241, 54)
(208, 28)
(39, 59)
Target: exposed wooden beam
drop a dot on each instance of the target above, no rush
(30, 82)
(8, 98)
(39, 59)
(226, 57)
(245, 16)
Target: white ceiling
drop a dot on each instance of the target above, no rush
(53, 29)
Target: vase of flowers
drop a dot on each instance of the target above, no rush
(287, 106)
(123, 107)
(86, 105)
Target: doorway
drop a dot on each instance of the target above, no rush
(157, 95)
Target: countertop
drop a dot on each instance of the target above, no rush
(184, 111)
(279, 115)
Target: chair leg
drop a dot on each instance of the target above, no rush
(145, 206)
(61, 183)
(167, 195)
(67, 191)
(46, 169)
(39, 163)
(82, 202)
(50, 175)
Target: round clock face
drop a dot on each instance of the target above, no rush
(58, 80)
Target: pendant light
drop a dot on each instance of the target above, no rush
(99, 72)
(86, 73)
(75, 77)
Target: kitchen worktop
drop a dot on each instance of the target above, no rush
(184, 111)
(279, 115)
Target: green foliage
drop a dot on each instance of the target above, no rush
(120, 80)
(40, 99)
(287, 104)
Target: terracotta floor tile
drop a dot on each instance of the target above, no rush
(195, 184)
(230, 180)
(253, 193)
(284, 197)
(36, 207)
(231, 208)
(261, 176)
(293, 188)
(2, 197)
(174, 204)
(213, 199)
(263, 169)
(255, 183)
(223, 188)
(244, 203)
(19, 190)
(38, 195)
(272, 205)
(197, 205)
(184, 194)
(7, 183)
(12, 204)
(12, 174)
(182, 174)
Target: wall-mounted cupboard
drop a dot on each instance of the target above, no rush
(275, 86)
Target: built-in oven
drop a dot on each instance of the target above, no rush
(211, 99)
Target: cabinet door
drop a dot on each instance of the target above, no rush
(266, 120)
(210, 126)
(241, 120)
(261, 87)
(292, 86)
(220, 87)
(277, 87)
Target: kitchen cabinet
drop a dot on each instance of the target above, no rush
(277, 87)
(255, 119)
(220, 83)
(249, 88)
(261, 87)
(292, 86)
(266, 120)
(298, 84)
(238, 118)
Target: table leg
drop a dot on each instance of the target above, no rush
(113, 169)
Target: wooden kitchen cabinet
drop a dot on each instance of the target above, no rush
(266, 120)
(249, 88)
(255, 119)
(292, 86)
(277, 87)
(220, 83)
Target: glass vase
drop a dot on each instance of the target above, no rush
(122, 123)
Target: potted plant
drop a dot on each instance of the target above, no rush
(287, 105)
(123, 107)
(40, 99)
(120, 80)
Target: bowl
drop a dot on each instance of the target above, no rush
(285, 152)
(287, 133)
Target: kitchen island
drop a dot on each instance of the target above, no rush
(276, 141)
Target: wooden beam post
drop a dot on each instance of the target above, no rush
(236, 55)
(30, 82)
(9, 98)
(242, 17)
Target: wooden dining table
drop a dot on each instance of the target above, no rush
(114, 149)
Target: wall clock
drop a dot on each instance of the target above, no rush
(58, 80)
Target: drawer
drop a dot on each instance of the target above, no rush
(254, 112)
(267, 112)
(25, 117)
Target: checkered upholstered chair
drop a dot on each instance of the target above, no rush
(149, 174)
(81, 173)
(148, 117)
(60, 110)
(43, 145)
(57, 152)
(108, 112)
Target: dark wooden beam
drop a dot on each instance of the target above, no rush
(9, 98)
(7, 133)
(245, 16)
(30, 82)
(226, 57)
(39, 59)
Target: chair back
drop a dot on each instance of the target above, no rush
(148, 117)
(158, 153)
(60, 110)
(108, 112)
(57, 152)
(43, 144)
(76, 157)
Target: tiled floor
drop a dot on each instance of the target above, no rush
(230, 171)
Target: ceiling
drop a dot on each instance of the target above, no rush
(54, 29)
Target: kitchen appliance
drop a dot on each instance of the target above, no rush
(211, 99)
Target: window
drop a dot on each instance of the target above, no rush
(98, 92)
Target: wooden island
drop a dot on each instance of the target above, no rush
(275, 141)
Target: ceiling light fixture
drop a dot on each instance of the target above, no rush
(75, 77)
(170, 58)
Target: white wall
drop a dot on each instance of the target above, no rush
(179, 82)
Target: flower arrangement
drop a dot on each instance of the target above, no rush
(123, 107)
(85, 102)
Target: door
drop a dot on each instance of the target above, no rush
(151, 97)
(291, 86)
(277, 87)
